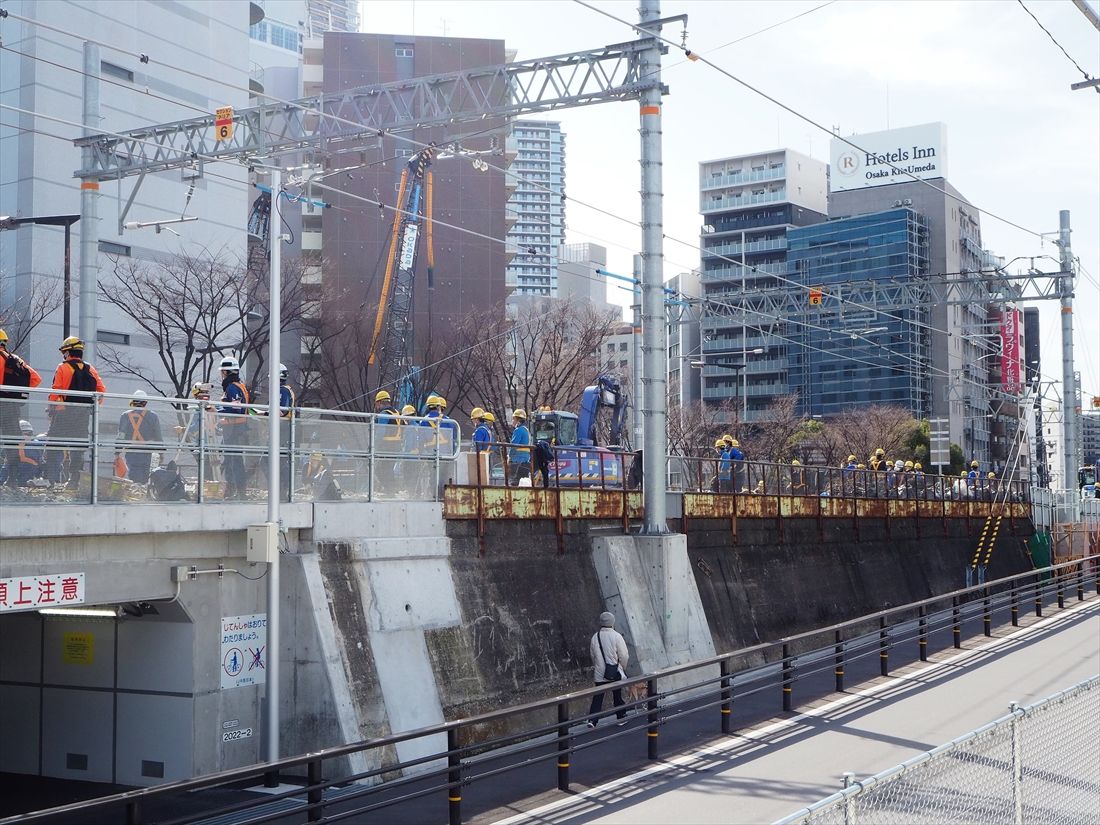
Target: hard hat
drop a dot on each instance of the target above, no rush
(282, 371)
(408, 409)
(974, 464)
(899, 464)
(25, 426)
(908, 465)
(200, 389)
(861, 466)
(991, 475)
(489, 418)
(3, 337)
(476, 413)
(381, 395)
(880, 452)
(851, 458)
(230, 364)
(918, 466)
(435, 401)
(727, 438)
(733, 442)
(139, 397)
(71, 343)
(719, 444)
(796, 463)
(442, 401)
(520, 413)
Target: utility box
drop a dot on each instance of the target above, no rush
(263, 543)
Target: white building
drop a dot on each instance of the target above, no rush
(198, 60)
(536, 208)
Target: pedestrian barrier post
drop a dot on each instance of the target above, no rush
(788, 677)
(315, 795)
(956, 627)
(922, 625)
(563, 746)
(454, 778)
(838, 670)
(651, 731)
(883, 647)
(1015, 606)
(1038, 596)
(727, 694)
(987, 614)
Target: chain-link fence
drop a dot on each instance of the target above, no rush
(1037, 765)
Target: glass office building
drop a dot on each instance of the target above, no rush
(866, 357)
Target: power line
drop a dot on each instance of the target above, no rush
(1054, 41)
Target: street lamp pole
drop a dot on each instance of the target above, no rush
(67, 222)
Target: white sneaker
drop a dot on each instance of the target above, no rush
(591, 723)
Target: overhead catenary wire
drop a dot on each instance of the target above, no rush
(1054, 40)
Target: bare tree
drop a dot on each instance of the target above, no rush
(861, 431)
(775, 434)
(18, 318)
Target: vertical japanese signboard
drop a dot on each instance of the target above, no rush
(1010, 350)
(244, 650)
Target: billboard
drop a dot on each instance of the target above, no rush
(1010, 350)
(893, 156)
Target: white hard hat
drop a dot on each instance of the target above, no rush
(282, 370)
(25, 426)
(140, 394)
(230, 364)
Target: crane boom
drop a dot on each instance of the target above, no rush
(391, 348)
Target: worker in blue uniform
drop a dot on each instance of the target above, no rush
(234, 426)
(519, 455)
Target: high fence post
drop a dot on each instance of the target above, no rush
(838, 670)
(922, 639)
(1017, 768)
(370, 463)
(315, 795)
(651, 731)
(454, 779)
(850, 800)
(95, 449)
(788, 677)
(956, 627)
(727, 695)
(200, 493)
(563, 746)
(291, 481)
(883, 647)
(1015, 606)
(987, 614)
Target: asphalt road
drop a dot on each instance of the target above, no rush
(771, 769)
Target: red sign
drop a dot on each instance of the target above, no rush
(1011, 330)
(46, 590)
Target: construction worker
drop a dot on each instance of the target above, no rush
(877, 460)
(920, 486)
(724, 477)
(444, 441)
(234, 425)
(992, 486)
(519, 455)
(14, 372)
(139, 426)
(877, 463)
(737, 464)
(391, 442)
(798, 478)
(29, 458)
(482, 437)
(70, 414)
(202, 429)
(974, 475)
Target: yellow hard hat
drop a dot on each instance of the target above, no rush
(719, 444)
(796, 463)
(861, 466)
(918, 466)
(489, 418)
(477, 413)
(851, 458)
(908, 465)
(381, 395)
(974, 464)
(733, 442)
(3, 337)
(435, 401)
(727, 438)
(520, 413)
(880, 452)
(71, 343)
(991, 475)
(408, 409)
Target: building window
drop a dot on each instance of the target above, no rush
(403, 50)
(116, 71)
(284, 37)
(258, 31)
(104, 336)
(114, 248)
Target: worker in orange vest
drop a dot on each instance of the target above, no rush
(70, 415)
(139, 436)
(14, 372)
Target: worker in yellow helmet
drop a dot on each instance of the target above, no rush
(519, 455)
(71, 414)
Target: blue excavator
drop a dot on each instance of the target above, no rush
(579, 460)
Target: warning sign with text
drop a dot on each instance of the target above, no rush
(244, 650)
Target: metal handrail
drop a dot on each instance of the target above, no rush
(1061, 574)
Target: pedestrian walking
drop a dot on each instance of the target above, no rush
(234, 424)
(139, 437)
(14, 372)
(70, 415)
(609, 660)
(519, 455)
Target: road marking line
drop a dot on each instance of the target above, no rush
(683, 760)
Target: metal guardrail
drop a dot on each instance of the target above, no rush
(71, 455)
(549, 736)
(1039, 763)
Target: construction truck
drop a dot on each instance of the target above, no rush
(1086, 481)
(579, 461)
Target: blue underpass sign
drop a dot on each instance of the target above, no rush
(244, 650)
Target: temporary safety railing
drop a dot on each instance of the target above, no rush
(1039, 763)
(715, 475)
(553, 735)
(96, 448)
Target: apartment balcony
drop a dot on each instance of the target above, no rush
(735, 272)
(711, 204)
(736, 178)
(734, 249)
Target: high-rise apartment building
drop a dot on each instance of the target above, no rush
(536, 207)
(684, 343)
(962, 340)
(748, 202)
(332, 16)
(864, 358)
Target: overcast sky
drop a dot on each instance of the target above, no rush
(1021, 144)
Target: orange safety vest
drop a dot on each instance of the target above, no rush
(238, 418)
(135, 425)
